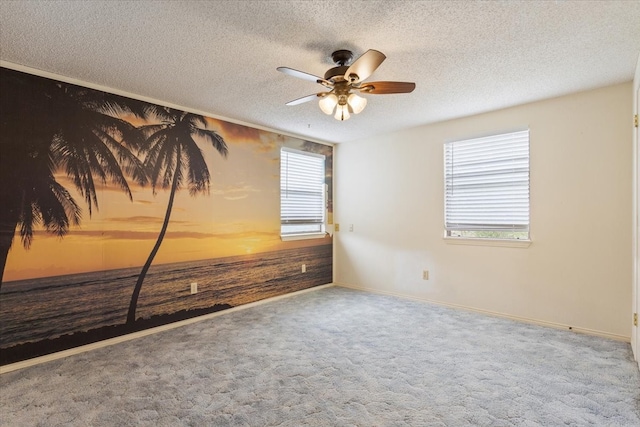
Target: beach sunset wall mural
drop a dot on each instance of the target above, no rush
(97, 187)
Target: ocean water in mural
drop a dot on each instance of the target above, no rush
(80, 302)
(112, 207)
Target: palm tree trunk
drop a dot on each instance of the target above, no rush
(8, 223)
(6, 238)
(131, 315)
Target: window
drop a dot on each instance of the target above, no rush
(302, 194)
(487, 187)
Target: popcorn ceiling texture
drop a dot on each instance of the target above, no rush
(220, 57)
(336, 357)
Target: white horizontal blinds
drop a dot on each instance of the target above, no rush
(302, 202)
(487, 183)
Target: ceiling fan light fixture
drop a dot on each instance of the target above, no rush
(328, 103)
(342, 113)
(357, 103)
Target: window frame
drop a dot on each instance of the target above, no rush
(323, 226)
(486, 241)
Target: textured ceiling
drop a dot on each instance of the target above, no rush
(220, 57)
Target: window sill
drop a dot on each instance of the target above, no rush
(305, 236)
(508, 243)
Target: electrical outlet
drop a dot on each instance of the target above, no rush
(194, 288)
(304, 268)
(350, 227)
(336, 227)
(425, 274)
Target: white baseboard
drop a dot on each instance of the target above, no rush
(494, 313)
(116, 340)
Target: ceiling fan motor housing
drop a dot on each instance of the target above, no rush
(342, 58)
(336, 74)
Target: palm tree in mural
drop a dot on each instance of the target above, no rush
(49, 127)
(174, 159)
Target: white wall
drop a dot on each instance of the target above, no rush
(577, 272)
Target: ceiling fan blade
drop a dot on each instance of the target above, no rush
(382, 88)
(305, 99)
(303, 75)
(364, 66)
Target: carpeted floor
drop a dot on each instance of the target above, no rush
(336, 357)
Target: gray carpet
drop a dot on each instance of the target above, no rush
(336, 357)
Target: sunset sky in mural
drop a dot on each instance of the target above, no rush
(239, 216)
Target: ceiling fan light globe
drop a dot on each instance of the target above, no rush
(342, 113)
(357, 103)
(328, 103)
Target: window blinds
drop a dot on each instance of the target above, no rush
(302, 203)
(487, 183)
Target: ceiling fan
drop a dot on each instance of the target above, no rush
(344, 80)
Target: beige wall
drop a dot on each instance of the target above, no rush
(577, 272)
